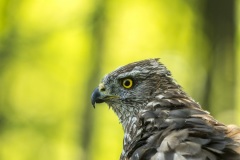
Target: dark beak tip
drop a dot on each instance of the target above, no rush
(93, 102)
(95, 98)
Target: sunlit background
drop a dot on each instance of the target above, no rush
(53, 53)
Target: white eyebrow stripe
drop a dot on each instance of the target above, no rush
(127, 74)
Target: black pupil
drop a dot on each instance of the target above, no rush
(127, 83)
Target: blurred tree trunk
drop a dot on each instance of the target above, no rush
(97, 23)
(8, 47)
(219, 23)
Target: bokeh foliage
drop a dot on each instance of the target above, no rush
(53, 53)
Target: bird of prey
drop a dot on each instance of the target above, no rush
(160, 121)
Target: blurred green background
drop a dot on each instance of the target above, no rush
(53, 53)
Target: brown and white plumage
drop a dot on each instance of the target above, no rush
(160, 121)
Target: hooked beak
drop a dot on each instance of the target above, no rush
(100, 95)
(97, 97)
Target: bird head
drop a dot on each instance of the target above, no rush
(129, 88)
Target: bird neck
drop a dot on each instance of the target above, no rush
(127, 116)
(130, 130)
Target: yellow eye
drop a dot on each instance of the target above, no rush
(127, 83)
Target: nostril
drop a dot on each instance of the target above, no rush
(102, 89)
